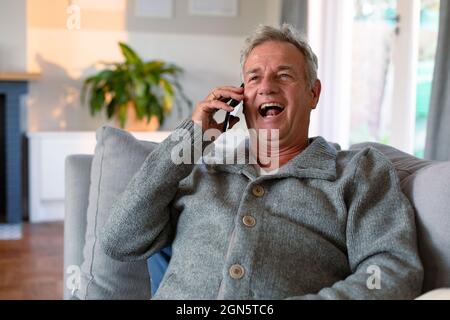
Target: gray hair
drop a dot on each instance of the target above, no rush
(287, 33)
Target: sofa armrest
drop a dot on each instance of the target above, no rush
(437, 294)
(77, 182)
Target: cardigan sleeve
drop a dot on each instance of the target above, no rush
(142, 219)
(381, 237)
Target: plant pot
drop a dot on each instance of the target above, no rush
(134, 124)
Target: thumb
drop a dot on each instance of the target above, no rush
(233, 120)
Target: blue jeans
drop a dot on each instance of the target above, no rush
(157, 266)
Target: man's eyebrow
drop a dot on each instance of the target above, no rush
(280, 68)
(285, 67)
(254, 70)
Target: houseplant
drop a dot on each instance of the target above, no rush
(148, 89)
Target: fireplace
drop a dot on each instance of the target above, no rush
(12, 174)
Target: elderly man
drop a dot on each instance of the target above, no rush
(320, 224)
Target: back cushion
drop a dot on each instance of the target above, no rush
(427, 186)
(429, 191)
(118, 156)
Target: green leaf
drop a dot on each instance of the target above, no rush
(168, 95)
(97, 100)
(150, 87)
(105, 75)
(154, 67)
(152, 79)
(122, 115)
(172, 69)
(157, 111)
(167, 87)
(110, 108)
(121, 94)
(168, 103)
(130, 55)
(140, 87)
(140, 106)
(88, 84)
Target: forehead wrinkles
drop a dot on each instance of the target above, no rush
(259, 60)
(297, 70)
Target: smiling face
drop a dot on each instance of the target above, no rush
(277, 95)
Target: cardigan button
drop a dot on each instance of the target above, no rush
(236, 271)
(258, 191)
(249, 221)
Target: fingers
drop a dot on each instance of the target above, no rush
(216, 100)
(231, 88)
(226, 93)
(214, 105)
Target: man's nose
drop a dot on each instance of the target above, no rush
(267, 86)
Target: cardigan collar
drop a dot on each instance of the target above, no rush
(317, 161)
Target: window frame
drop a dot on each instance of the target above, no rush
(330, 35)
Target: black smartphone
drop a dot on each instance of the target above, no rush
(232, 103)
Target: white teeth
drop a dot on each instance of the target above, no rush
(271, 104)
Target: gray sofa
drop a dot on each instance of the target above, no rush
(93, 181)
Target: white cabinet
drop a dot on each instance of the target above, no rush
(47, 153)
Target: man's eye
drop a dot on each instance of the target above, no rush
(253, 78)
(285, 76)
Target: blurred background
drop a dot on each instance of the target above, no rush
(363, 50)
(382, 63)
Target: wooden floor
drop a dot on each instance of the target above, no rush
(32, 268)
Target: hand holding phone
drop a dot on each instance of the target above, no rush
(225, 98)
(232, 103)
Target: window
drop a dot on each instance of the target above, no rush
(376, 61)
(429, 26)
(377, 68)
(374, 32)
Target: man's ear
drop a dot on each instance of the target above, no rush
(315, 92)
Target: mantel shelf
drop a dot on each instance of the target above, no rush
(19, 76)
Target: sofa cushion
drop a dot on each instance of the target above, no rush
(427, 186)
(404, 163)
(429, 191)
(118, 156)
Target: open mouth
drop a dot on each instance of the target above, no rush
(271, 109)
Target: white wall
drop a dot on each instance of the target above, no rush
(13, 26)
(64, 59)
(206, 48)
